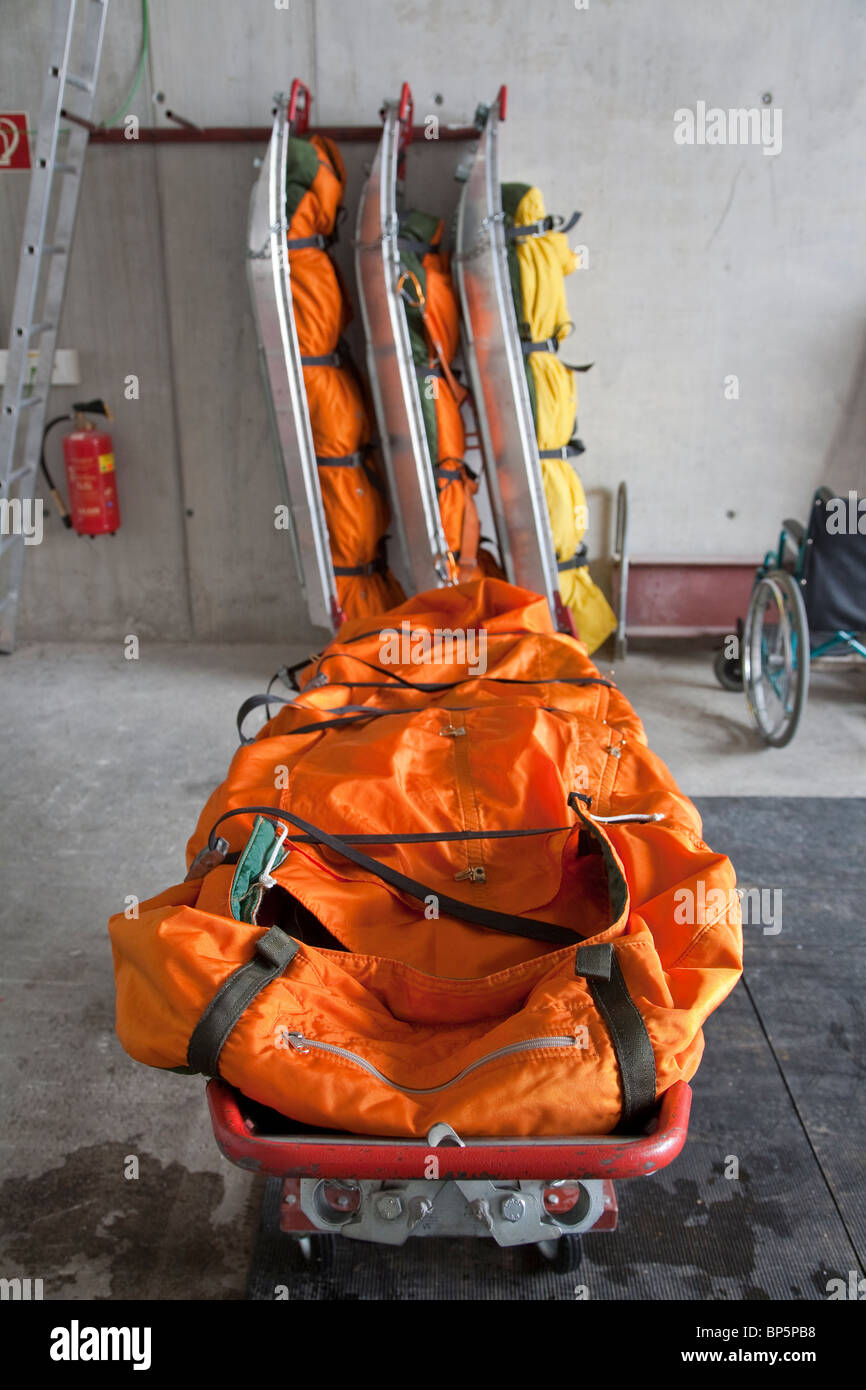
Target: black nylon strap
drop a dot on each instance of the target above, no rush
(420, 248)
(577, 561)
(319, 240)
(274, 951)
(352, 714)
(425, 837)
(568, 451)
(546, 345)
(631, 1043)
(531, 927)
(450, 685)
(551, 223)
(355, 460)
(374, 567)
(329, 359)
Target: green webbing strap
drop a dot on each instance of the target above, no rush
(273, 952)
(634, 1054)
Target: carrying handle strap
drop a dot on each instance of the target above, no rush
(505, 922)
(600, 968)
(274, 952)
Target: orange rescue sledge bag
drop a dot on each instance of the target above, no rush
(458, 887)
(353, 494)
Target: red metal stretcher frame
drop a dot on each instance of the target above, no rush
(359, 1156)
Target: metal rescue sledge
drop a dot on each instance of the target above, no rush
(392, 370)
(494, 359)
(270, 283)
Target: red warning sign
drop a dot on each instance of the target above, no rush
(14, 144)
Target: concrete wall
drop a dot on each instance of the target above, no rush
(704, 262)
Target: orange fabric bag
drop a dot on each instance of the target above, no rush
(353, 493)
(432, 915)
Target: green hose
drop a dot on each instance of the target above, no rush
(139, 73)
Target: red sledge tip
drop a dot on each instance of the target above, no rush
(299, 118)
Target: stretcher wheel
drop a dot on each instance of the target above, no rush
(729, 672)
(775, 657)
(563, 1256)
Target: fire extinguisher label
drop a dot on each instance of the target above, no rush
(106, 463)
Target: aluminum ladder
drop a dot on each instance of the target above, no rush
(41, 284)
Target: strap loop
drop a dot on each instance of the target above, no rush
(328, 359)
(568, 451)
(577, 561)
(553, 222)
(600, 968)
(273, 953)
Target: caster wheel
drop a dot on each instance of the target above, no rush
(563, 1256)
(314, 1254)
(729, 673)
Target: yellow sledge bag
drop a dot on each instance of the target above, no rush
(539, 259)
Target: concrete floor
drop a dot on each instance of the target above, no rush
(106, 767)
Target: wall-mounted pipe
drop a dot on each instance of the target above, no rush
(260, 135)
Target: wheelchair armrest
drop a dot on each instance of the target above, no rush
(823, 494)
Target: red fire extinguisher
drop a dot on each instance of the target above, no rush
(88, 454)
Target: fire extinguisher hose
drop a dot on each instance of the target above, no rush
(58, 500)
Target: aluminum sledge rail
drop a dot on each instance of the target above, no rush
(391, 367)
(270, 285)
(494, 360)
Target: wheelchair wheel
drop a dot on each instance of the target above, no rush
(776, 657)
(729, 673)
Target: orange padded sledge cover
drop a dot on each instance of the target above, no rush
(461, 718)
(353, 494)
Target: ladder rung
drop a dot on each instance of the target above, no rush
(82, 83)
(56, 250)
(33, 330)
(68, 168)
(23, 404)
(21, 472)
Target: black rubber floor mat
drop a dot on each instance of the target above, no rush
(767, 1196)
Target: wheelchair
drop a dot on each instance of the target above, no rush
(808, 600)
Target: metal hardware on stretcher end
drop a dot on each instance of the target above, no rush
(512, 1214)
(270, 284)
(39, 293)
(424, 559)
(494, 358)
